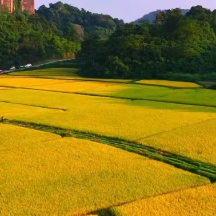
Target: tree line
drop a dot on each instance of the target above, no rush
(174, 46)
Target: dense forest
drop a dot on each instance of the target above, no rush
(174, 46)
(51, 33)
(64, 15)
(28, 38)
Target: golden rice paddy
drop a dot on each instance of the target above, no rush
(26, 82)
(106, 116)
(74, 177)
(1, 88)
(197, 141)
(167, 83)
(84, 87)
(198, 201)
(43, 174)
(11, 111)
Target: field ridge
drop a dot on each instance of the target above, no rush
(194, 166)
(32, 105)
(174, 129)
(110, 210)
(113, 97)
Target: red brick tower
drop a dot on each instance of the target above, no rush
(28, 5)
(9, 4)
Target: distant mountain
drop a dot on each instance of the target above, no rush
(152, 15)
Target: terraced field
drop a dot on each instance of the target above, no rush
(84, 147)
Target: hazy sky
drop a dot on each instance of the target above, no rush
(130, 10)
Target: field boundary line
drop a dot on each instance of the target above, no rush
(32, 105)
(113, 97)
(194, 166)
(174, 129)
(109, 212)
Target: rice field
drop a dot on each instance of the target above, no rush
(43, 174)
(9, 81)
(2, 88)
(23, 111)
(198, 201)
(193, 96)
(196, 141)
(167, 83)
(49, 72)
(23, 136)
(84, 87)
(72, 73)
(105, 116)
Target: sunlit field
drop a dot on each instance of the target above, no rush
(1, 88)
(194, 96)
(195, 141)
(106, 116)
(43, 174)
(72, 73)
(6, 81)
(198, 201)
(14, 137)
(85, 87)
(167, 83)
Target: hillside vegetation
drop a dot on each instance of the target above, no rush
(175, 47)
(64, 16)
(152, 15)
(52, 33)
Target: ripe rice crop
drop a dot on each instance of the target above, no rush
(26, 82)
(174, 84)
(2, 88)
(22, 111)
(61, 73)
(200, 201)
(74, 177)
(85, 87)
(49, 72)
(105, 116)
(11, 136)
(196, 141)
(197, 96)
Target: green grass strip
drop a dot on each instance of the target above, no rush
(184, 163)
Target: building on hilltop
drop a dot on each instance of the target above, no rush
(9, 4)
(29, 6)
(26, 5)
